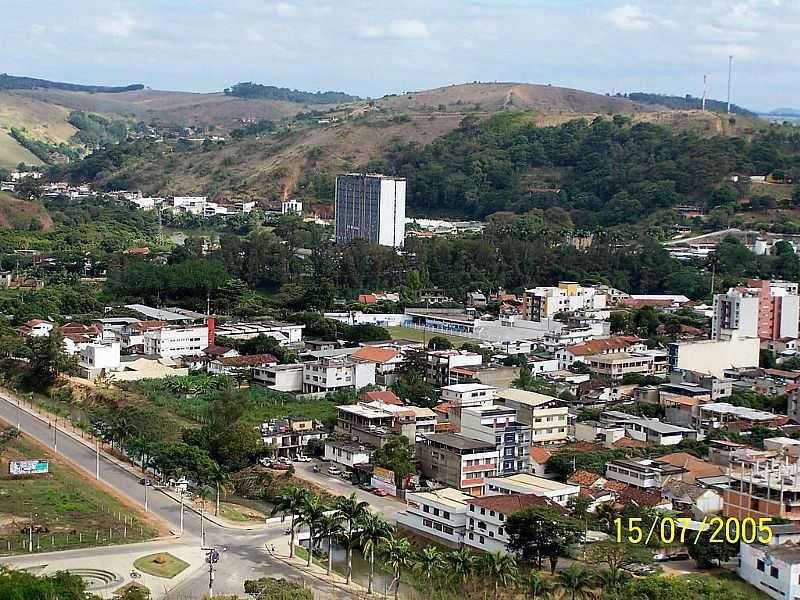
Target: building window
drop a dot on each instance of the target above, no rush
(426, 508)
(483, 511)
(774, 572)
(446, 515)
(427, 523)
(471, 535)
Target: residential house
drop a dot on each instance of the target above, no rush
(386, 360)
(643, 473)
(336, 373)
(441, 362)
(547, 416)
(346, 453)
(525, 483)
(615, 366)
(499, 425)
(464, 395)
(289, 437)
(239, 366)
(773, 567)
(580, 352)
(440, 515)
(695, 468)
(281, 378)
(692, 500)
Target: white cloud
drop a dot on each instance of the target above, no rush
(283, 9)
(117, 26)
(629, 17)
(403, 29)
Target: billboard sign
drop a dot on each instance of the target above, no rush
(28, 467)
(382, 474)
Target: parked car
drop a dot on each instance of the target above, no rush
(284, 460)
(380, 492)
(680, 555)
(366, 487)
(146, 481)
(347, 475)
(279, 466)
(334, 471)
(36, 529)
(301, 458)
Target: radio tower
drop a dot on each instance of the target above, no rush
(730, 70)
(705, 91)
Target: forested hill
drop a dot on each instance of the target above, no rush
(270, 92)
(687, 102)
(12, 82)
(603, 172)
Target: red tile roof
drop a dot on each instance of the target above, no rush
(591, 347)
(632, 495)
(385, 396)
(374, 354)
(249, 361)
(627, 442)
(695, 466)
(539, 455)
(215, 350)
(584, 478)
(443, 408)
(508, 504)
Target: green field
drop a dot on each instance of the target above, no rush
(419, 335)
(69, 512)
(162, 564)
(11, 153)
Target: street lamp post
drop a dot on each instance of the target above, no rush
(97, 458)
(55, 436)
(19, 414)
(202, 523)
(30, 532)
(146, 482)
(212, 558)
(181, 492)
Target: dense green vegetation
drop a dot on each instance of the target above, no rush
(45, 151)
(271, 92)
(687, 102)
(94, 130)
(13, 82)
(612, 172)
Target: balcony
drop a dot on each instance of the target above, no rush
(484, 467)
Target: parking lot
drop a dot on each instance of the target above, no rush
(388, 506)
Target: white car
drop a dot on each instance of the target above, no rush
(301, 458)
(334, 471)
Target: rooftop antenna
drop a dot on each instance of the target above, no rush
(705, 91)
(730, 70)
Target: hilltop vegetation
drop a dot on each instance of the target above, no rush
(687, 102)
(12, 82)
(270, 92)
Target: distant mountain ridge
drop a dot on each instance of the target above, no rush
(13, 82)
(785, 112)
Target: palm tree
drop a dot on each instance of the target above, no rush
(330, 527)
(539, 585)
(373, 533)
(397, 555)
(290, 502)
(577, 581)
(612, 579)
(462, 565)
(429, 564)
(311, 514)
(352, 511)
(500, 568)
(606, 514)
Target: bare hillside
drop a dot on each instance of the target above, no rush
(498, 96)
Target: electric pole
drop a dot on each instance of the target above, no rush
(730, 72)
(212, 558)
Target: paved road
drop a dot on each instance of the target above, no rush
(245, 556)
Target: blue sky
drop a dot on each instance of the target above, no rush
(375, 47)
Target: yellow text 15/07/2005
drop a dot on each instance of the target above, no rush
(668, 530)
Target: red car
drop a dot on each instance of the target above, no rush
(276, 466)
(380, 492)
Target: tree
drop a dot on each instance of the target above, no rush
(352, 511)
(330, 528)
(500, 568)
(541, 532)
(706, 552)
(21, 585)
(439, 342)
(291, 502)
(48, 360)
(606, 513)
(397, 556)
(366, 332)
(269, 588)
(373, 533)
(612, 580)
(312, 511)
(616, 555)
(396, 455)
(576, 581)
(178, 459)
(430, 563)
(539, 586)
(462, 566)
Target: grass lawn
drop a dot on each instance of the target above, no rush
(738, 585)
(131, 587)
(239, 513)
(420, 335)
(70, 510)
(162, 564)
(301, 552)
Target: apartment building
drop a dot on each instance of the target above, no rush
(281, 378)
(649, 430)
(499, 425)
(768, 310)
(374, 422)
(372, 207)
(289, 437)
(457, 461)
(580, 352)
(465, 395)
(722, 415)
(547, 417)
(615, 366)
(175, 341)
(524, 483)
(541, 303)
(440, 514)
(329, 374)
(643, 473)
(441, 362)
(763, 487)
(714, 357)
(387, 362)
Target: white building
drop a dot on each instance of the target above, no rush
(194, 205)
(440, 514)
(487, 516)
(281, 378)
(465, 395)
(286, 334)
(331, 374)
(643, 473)
(171, 342)
(457, 461)
(524, 483)
(499, 425)
(774, 567)
(713, 357)
(613, 345)
(372, 207)
(547, 417)
(545, 302)
(347, 454)
(764, 309)
(291, 207)
(99, 358)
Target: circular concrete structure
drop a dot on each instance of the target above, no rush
(96, 579)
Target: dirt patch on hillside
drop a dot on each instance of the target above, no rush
(23, 214)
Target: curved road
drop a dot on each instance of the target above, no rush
(245, 557)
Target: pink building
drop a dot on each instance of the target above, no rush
(768, 310)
